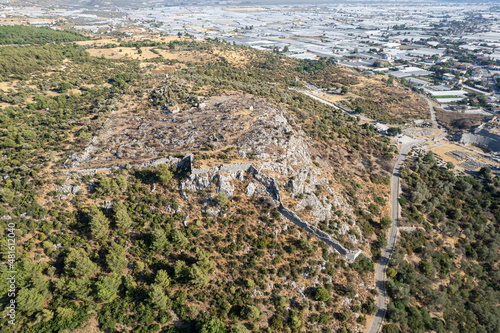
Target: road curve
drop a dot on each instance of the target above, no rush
(381, 266)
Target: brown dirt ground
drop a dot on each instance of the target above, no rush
(459, 121)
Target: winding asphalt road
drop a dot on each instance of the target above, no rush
(381, 267)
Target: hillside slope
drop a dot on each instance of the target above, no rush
(159, 195)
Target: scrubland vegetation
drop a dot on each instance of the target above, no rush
(122, 257)
(444, 276)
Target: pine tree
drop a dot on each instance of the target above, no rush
(29, 301)
(179, 239)
(160, 240)
(65, 313)
(107, 288)
(158, 297)
(221, 199)
(214, 325)
(79, 288)
(162, 279)
(116, 259)
(78, 264)
(197, 276)
(181, 270)
(104, 186)
(164, 174)
(121, 181)
(203, 260)
(122, 219)
(99, 224)
(115, 189)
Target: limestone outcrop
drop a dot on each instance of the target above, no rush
(226, 173)
(270, 156)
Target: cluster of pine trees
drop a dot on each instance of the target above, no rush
(443, 277)
(20, 34)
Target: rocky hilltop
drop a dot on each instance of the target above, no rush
(262, 151)
(149, 196)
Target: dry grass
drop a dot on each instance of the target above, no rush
(442, 150)
(105, 41)
(5, 86)
(395, 100)
(378, 98)
(122, 52)
(237, 58)
(328, 97)
(147, 53)
(17, 21)
(457, 121)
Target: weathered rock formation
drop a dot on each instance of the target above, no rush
(201, 179)
(275, 158)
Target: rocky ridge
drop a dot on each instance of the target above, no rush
(270, 156)
(260, 183)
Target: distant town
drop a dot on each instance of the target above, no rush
(449, 51)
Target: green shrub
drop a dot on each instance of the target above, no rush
(221, 199)
(321, 294)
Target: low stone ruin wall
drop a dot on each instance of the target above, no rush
(200, 178)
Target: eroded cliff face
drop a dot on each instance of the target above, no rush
(237, 145)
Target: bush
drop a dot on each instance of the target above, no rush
(363, 265)
(344, 316)
(393, 131)
(386, 222)
(276, 324)
(391, 328)
(373, 209)
(7, 195)
(280, 302)
(214, 325)
(221, 199)
(250, 312)
(321, 294)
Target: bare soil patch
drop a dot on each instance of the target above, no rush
(457, 121)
